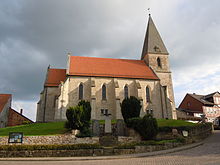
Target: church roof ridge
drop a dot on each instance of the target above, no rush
(107, 58)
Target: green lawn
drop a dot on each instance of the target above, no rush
(58, 127)
(173, 123)
(36, 129)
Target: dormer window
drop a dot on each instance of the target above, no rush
(159, 62)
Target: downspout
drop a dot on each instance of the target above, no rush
(161, 99)
(165, 95)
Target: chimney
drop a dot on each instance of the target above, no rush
(21, 111)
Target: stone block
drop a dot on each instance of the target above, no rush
(120, 128)
(95, 128)
(108, 125)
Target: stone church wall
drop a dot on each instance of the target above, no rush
(92, 91)
(50, 101)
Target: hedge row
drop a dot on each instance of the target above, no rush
(149, 142)
(49, 147)
(187, 128)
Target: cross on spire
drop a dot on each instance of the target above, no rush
(148, 11)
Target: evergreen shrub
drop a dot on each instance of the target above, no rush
(130, 108)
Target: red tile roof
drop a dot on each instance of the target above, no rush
(3, 100)
(108, 67)
(55, 76)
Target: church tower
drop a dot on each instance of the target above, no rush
(156, 56)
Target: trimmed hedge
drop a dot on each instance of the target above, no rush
(187, 128)
(147, 143)
(147, 126)
(49, 147)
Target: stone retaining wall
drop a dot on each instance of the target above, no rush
(56, 139)
(65, 139)
(87, 152)
(194, 134)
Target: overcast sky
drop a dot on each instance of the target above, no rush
(36, 33)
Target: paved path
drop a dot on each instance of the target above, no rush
(206, 154)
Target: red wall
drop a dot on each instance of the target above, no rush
(16, 118)
(195, 105)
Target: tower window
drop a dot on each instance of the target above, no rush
(159, 62)
(104, 92)
(147, 94)
(80, 91)
(126, 91)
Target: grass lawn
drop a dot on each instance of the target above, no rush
(102, 122)
(36, 129)
(58, 127)
(173, 123)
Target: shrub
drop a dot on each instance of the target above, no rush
(79, 118)
(147, 127)
(73, 115)
(133, 122)
(130, 108)
(86, 115)
(26, 122)
(85, 132)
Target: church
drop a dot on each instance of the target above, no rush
(106, 82)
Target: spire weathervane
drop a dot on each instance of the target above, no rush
(148, 11)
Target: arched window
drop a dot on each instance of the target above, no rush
(126, 91)
(80, 91)
(147, 94)
(104, 92)
(159, 62)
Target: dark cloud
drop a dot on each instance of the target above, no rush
(35, 34)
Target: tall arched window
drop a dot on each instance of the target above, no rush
(104, 92)
(80, 91)
(126, 91)
(159, 62)
(147, 94)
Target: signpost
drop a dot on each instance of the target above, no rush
(15, 137)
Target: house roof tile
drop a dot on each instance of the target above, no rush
(55, 76)
(3, 100)
(108, 67)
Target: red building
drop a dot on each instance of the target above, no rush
(197, 105)
(8, 116)
(16, 118)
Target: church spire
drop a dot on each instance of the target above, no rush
(153, 43)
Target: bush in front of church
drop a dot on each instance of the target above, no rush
(147, 127)
(78, 117)
(73, 115)
(86, 116)
(130, 108)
